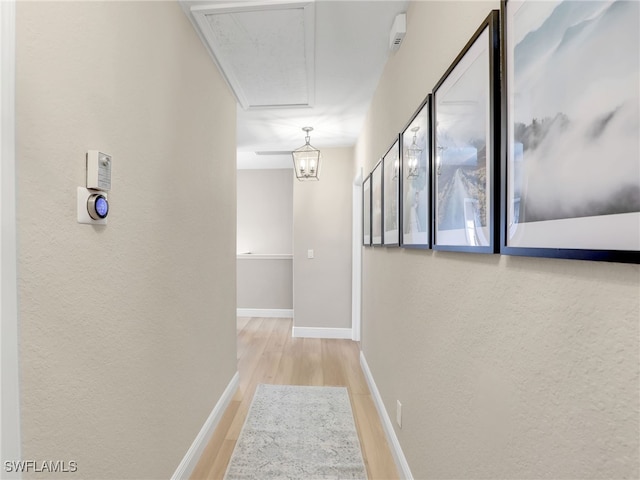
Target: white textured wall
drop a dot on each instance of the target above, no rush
(127, 331)
(322, 223)
(265, 211)
(506, 367)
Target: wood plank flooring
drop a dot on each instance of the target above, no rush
(268, 354)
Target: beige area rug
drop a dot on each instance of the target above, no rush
(294, 432)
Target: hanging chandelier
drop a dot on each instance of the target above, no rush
(306, 159)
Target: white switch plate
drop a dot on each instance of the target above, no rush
(309, 253)
(399, 413)
(83, 213)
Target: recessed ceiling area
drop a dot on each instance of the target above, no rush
(265, 51)
(296, 64)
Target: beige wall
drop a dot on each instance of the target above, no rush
(127, 331)
(265, 283)
(322, 222)
(506, 367)
(265, 211)
(265, 226)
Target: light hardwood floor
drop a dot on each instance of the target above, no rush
(268, 354)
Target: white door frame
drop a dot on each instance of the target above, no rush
(9, 398)
(356, 262)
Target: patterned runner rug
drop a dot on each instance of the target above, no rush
(294, 432)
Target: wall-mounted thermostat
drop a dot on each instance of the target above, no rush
(98, 170)
(92, 202)
(92, 206)
(98, 206)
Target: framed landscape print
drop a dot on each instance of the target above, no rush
(391, 202)
(571, 163)
(416, 179)
(366, 211)
(466, 146)
(376, 204)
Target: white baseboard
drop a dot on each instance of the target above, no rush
(317, 332)
(396, 449)
(192, 456)
(265, 312)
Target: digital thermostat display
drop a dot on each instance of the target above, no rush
(97, 206)
(102, 207)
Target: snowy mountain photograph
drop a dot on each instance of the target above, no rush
(574, 123)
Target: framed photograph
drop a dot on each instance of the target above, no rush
(571, 162)
(376, 205)
(366, 211)
(466, 145)
(391, 202)
(416, 179)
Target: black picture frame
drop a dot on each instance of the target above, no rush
(415, 168)
(391, 195)
(581, 211)
(466, 146)
(377, 206)
(366, 211)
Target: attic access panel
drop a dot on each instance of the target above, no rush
(265, 51)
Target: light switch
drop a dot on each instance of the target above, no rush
(309, 253)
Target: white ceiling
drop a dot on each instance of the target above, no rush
(331, 57)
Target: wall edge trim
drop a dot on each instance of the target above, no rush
(192, 456)
(264, 256)
(319, 332)
(10, 382)
(265, 312)
(396, 449)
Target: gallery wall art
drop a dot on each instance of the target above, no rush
(466, 145)
(416, 179)
(391, 185)
(529, 144)
(376, 205)
(571, 169)
(366, 211)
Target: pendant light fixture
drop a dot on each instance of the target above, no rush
(306, 159)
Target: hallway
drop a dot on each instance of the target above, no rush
(121, 348)
(267, 353)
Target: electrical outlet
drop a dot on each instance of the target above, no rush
(399, 413)
(310, 254)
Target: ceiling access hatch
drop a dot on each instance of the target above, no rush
(265, 50)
